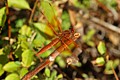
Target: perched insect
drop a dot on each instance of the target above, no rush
(66, 38)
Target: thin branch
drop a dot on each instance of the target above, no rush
(8, 20)
(33, 10)
(105, 24)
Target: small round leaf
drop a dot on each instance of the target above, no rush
(101, 48)
(27, 58)
(12, 76)
(11, 66)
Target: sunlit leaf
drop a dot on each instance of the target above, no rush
(47, 72)
(20, 4)
(1, 51)
(108, 67)
(60, 62)
(100, 61)
(2, 16)
(27, 58)
(101, 48)
(48, 10)
(12, 76)
(23, 71)
(116, 63)
(1, 69)
(53, 75)
(25, 30)
(11, 66)
(59, 76)
(44, 28)
(84, 75)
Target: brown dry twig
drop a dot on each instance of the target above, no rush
(105, 24)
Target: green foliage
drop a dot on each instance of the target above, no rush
(65, 21)
(22, 72)
(100, 61)
(1, 69)
(49, 13)
(20, 4)
(52, 75)
(87, 38)
(82, 4)
(27, 58)
(60, 62)
(48, 10)
(111, 64)
(25, 30)
(47, 72)
(12, 76)
(2, 16)
(43, 28)
(109, 3)
(101, 48)
(19, 23)
(11, 66)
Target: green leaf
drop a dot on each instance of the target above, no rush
(87, 38)
(19, 23)
(25, 30)
(12, 76)
(48, 10)
(1, 51)
(101, 48)
(39, 40)
(65, 21)
(20, 4)
(12, 66)
(108, 67)
(53, 75)
(100, 60)
(89, 35)
(1, 70)
(2, 16)
(27, 58)
(43, 28)
(23, 71)
(47, 72)
(59, 76)
(60, 62)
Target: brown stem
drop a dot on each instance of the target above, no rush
(32, 11)
(8, 20)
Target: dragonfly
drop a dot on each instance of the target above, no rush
(66, 38)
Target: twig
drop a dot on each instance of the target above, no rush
(105, 24)
(32, 11)
(103, 6)
(116, 77)
(8, 20)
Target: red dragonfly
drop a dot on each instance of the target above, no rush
(66, 38)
